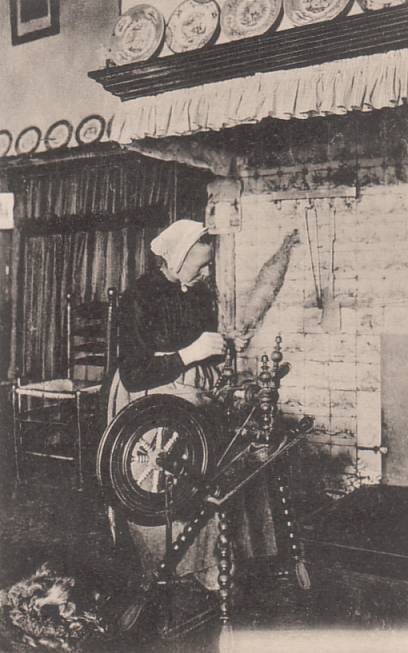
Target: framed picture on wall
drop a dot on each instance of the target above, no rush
(33, 19)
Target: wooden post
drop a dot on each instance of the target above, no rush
(16, 431)
(79, 443)
(226, 283)
(111, 340)
(69, 335)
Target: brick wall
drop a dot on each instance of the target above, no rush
(360, 248)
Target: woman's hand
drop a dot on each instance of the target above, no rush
(207, 345)
(241, 342)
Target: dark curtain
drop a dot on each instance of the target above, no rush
(86, 264)
(82, 229)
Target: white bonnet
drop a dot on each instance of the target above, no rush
(175, 242)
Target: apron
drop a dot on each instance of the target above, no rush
(201, 558)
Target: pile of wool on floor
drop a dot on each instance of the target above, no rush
(46, 611)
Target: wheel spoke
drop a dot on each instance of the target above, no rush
(170, 444)
(156, 480)
(145, 475)
(140, 457)
(146, 443)
(158, 442)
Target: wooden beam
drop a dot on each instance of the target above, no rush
(225, 278)
(346, 37)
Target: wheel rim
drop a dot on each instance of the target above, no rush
(129, 463)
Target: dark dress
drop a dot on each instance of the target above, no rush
(157, 316)
(156, 320)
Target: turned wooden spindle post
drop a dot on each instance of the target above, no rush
(289, 523)
(181, 544)
(276, 358)
(225, 581)
(265, 399)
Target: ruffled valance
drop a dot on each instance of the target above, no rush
(362, 83)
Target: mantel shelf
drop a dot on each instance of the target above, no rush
(346, 37)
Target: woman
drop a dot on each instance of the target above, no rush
(168, 339)
(169, 345)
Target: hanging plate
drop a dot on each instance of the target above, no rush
(6, 140)
(374, 5)
(58, 135)
(193, 25)
(28, 140)
(304, 12)
(90, 130)
(137, 35)
(244, 18)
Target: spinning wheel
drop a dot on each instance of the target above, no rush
(162, 459)
(154, 440)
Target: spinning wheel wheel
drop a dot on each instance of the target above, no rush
(151, 441)
(145, 457)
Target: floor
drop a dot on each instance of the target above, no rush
(47, 521)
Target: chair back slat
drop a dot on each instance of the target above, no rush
(98, 361)
(94, 330)
(91, 337)
(96, 347)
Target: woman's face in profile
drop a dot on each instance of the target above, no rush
(196, 265)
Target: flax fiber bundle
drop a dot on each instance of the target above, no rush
(267, 284)
(47, 613)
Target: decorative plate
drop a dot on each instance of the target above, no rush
(244, 18)
(58, 135)
(28, 140)
(374, 5)
(137, 35)
(192, 25)
(6, 140)
(304, 12)
(90, 130)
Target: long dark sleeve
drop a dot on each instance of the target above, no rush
(139, 368)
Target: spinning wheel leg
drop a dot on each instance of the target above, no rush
(130, 617)
(289, 521)
(225, 581)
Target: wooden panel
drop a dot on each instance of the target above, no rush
(346, 37)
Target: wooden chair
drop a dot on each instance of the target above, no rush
(55, 419)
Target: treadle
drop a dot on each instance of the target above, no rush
(192, 607)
